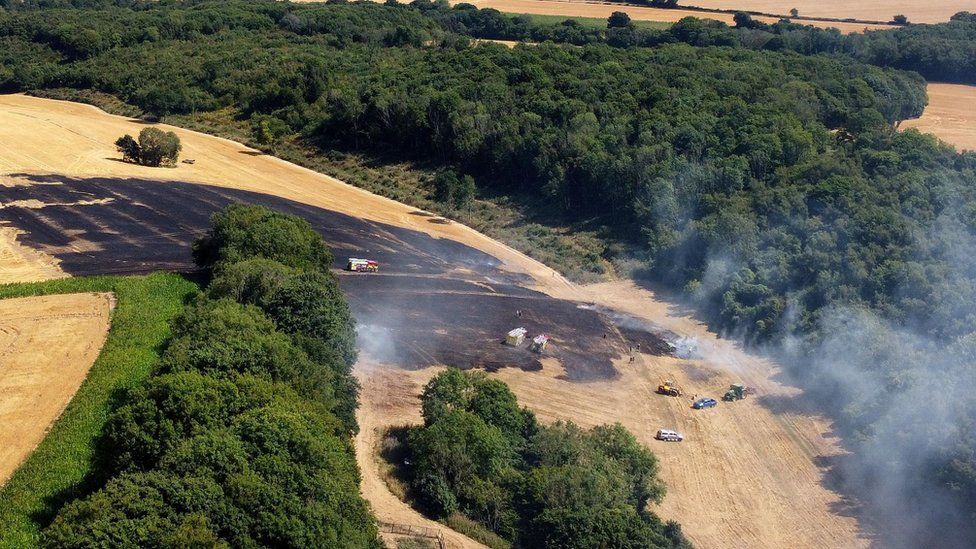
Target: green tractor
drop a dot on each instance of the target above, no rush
(737, 391)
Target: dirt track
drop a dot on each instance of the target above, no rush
(875, 10)
(751, 471)
(47, 345)
(390, 397)
(950, 115)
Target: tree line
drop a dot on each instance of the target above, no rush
(942, 52)
(241, 437)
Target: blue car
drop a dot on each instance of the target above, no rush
(704, 403)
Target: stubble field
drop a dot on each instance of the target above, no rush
(47, 345)
(950, 115)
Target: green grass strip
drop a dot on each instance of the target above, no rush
(61, 466)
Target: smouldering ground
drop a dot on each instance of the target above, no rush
(47, 345)
(950, 115)
(752, 472)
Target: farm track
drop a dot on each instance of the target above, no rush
(47, 345)
(751, 471)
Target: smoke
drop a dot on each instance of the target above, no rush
(687, 348)
(903, 399)
(376, 341)
(900, 384)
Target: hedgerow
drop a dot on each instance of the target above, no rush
(242, 436)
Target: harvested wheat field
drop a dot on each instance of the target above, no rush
(950, 115)
(574, 8)
(751, 471)
(47, 345)
(84, 147)
(602, 10)
(883, 10)
(22, 264)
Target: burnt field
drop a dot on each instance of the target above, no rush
(434, 301)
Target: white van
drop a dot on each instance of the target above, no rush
(669, 436)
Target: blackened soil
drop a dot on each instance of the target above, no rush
(435, 301)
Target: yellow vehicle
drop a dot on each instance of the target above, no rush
(669, 388)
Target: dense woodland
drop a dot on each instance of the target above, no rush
(944, 52)
(241, 438)
(756, 169)
(536, 486)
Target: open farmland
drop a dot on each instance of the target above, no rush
(573, 8)
(950, 115)
(47, 345)
(21, 263)
(753, 471)
(917, 12)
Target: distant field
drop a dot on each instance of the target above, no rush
(583, 9)
(950, 115)
(597, 10)
(874, 10)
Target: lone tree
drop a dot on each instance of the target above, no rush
(154, 148)
(743, 20)
(268, 131)
(794, 12)
(900, 19)
(454, 190)
(618, 19)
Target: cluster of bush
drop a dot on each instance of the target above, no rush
(241, 437)
(154, 147)
(481, 455)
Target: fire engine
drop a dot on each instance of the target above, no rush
(362, 265)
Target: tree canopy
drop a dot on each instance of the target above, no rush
(154, 147)
(481, 455)
(241, 438)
